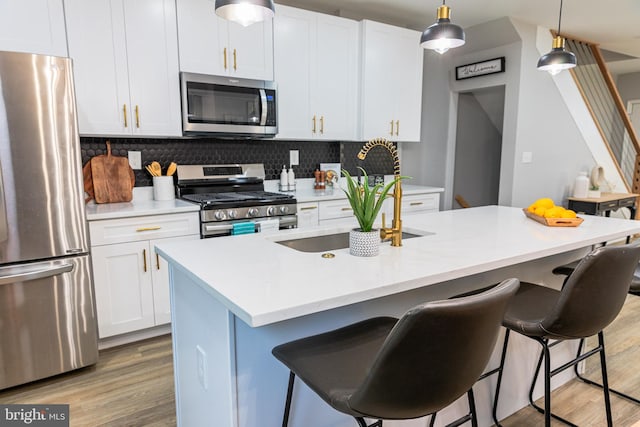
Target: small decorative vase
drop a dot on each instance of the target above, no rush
(594, 194)
(364, 243)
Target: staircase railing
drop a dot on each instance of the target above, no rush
(603, 100)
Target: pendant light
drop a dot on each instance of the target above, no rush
(245, 12)
(443, 35)
(558, 59)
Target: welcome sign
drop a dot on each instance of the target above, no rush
(491, 66)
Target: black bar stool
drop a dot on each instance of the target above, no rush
(590, 299)
(385, 368)
(634, 289)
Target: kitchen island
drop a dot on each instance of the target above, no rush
(235, 298)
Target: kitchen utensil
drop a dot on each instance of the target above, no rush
(171, 169)
(151, 171)
(157, 169)
(112, 178)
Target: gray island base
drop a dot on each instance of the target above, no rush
(235, 298)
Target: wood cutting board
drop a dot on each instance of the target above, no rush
(108, 178)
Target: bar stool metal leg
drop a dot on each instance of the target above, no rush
(471, 416)
(499, 370)
(605, 379)
(597, 384)
(287, 405)
(544, 354)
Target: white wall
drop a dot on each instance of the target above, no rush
(546, 128)
(425, 162)
(629, 87)
(537, 120)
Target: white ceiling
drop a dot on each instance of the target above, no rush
(613, 24)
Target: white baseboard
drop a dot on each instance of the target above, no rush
(134, 336)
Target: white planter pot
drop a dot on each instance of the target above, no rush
(593, 194)
(364, 243)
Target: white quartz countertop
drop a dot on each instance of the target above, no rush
(263, 282)
(141, 205)
(305, 193)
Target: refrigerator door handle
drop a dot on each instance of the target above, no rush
(4, 228)
(30, 273)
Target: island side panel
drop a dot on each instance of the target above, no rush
(262, 380)
(203, 355)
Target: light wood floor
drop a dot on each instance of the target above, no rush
(133, 385)
(130, 386)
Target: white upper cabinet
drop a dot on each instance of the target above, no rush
(212, 45)
(391, 98)
(316, 66)
(125, 56)
(33, 26)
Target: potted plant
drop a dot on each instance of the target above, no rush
(366, 203)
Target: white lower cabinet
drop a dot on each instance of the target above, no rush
(335, 209)
(307, 214)
(413, 203)
(131, 280)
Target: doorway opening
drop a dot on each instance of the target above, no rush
(478, 147)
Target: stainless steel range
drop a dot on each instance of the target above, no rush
(232, 199)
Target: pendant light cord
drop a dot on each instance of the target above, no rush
(560, 17)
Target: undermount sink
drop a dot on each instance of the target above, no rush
(331, 242)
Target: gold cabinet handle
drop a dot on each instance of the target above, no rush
(415, 203)
(391, 123)
(397, 127)
(157, 261)
(137, 116)
(224, 58)
(124, 113)
(313, 129)
(144, 259)
(347, 209)
(321, 125)
(235, 60)
(308, 208)
(152, 228)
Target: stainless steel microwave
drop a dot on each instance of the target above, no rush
(228, 106)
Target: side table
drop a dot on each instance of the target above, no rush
(606, 203)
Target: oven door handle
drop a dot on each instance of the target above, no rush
(222, 227)
(263, 101)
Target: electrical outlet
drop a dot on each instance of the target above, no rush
(135, 159)
(294, 157)
(201, 365)
(527, 157)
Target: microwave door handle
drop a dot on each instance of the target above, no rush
(263, 101)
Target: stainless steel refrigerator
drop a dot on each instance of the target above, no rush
(47, 307)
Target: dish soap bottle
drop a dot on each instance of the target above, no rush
(291, 179)
(284, 179)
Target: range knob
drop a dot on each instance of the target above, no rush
(232, 213)
(271, 210)
(253, 212)
(219, 215)
(284, 209)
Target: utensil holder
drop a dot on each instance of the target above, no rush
(163, 188)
